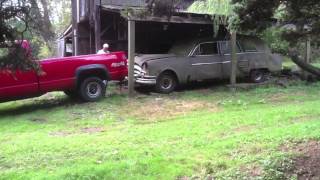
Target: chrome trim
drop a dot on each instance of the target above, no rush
(224, 62)
(246, 53)
(147, 80)
(200, 64)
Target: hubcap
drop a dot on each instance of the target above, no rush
(94, 89)
(259, 77)
(166, 83)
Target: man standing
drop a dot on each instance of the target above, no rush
(104, 50)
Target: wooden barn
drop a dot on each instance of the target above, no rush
(97, 22)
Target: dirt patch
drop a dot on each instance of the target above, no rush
(277, 98)
(246, 128)
(93, 130)
(39, 120)
(307, 163)
(306, 118)
(88, 130)
(238, 130)
(61, 133)
(159, 109)
(252, 171)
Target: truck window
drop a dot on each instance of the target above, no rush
(206, 49)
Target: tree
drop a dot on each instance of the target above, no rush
(303, 16)
(14, 22)
(42, 25)
(254, 16)
(20, 20)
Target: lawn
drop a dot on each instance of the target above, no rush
(194, 133)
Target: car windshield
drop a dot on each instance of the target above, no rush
(182, 48)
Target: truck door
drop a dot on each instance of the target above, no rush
(18, 85)
(206, 61)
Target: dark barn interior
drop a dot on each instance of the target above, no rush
(96, 23)
(151, 36)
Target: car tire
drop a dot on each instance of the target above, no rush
(166, 83)
(71, 94)
(258, 76)
(92, 89)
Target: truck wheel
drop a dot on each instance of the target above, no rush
(71, 94)
(166, 83)
(258, 76)
(92, 89)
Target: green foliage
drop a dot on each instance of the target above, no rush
(214, 7)
(277, 167)
(272, 36)
(61, 15)
(257, 15)
(222, 12)
(17, 58)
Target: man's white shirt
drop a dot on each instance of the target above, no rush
(103, 52)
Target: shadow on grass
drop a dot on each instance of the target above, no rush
(194, 86)
(31, 106)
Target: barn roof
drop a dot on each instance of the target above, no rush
(181, 15)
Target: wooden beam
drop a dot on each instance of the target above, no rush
(97, 27)
(234, 63)
(131, 53)
(74, 27)
(175, 19)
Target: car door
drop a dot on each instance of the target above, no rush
(206, 61)
(242, 58)
(18, 85)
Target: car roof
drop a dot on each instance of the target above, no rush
(185, 46)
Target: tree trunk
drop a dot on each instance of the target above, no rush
(293, 53)
(42, 21)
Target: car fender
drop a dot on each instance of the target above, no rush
(170, 65)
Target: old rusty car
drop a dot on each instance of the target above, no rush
(203, 59)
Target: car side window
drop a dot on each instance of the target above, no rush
(226, 47)
(206, 49)
(248, 47)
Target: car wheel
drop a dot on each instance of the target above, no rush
(166, 83)
(92, 89)
(258, 76)
(71, 94)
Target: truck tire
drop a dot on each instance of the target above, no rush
(166, 83)
(258, 76)
(92, 89)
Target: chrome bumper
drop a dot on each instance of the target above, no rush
(146, 80)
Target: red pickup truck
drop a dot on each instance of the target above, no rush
(81, 76)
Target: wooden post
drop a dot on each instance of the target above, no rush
(74, 28)
(233, 75)
(307, 55)
(97, 27)
(131, 53)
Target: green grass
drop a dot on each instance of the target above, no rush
(288, 63)
(187, 134)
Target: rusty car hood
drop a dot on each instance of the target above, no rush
(142, 58)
